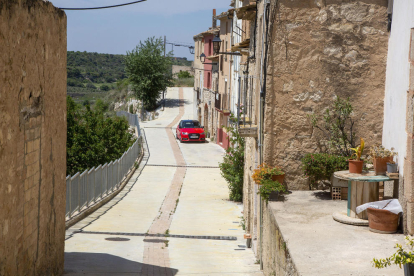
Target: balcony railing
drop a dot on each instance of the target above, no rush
(245, 108)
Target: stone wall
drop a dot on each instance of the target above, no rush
(32, 137)
(321, 50)
(276, 257)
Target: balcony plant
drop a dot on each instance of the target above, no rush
(266, 172)
(401, 258)
(380, 156)
(356, 165)
(270, 189)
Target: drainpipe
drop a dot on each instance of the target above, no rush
(261, 124)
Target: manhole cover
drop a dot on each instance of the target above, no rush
(117, 239)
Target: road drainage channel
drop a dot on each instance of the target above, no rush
(223, 238)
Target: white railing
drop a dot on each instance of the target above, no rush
(89, 187)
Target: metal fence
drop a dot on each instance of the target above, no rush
(133, 119)
(86, 188)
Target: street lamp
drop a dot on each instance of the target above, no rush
(202, 57)
(216, 45)
(191, 50)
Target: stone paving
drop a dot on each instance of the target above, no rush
(127, 235)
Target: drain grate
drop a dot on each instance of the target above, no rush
(117, 239)
(184, 166)
(224, 238)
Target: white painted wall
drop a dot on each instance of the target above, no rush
(397, 79)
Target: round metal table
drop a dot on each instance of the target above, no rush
(362, 188)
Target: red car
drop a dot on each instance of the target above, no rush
(190, 130)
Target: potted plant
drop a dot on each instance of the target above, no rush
(269, 189)
(401, 257)
(392, 167)
(380, 157)
(264, 172)
(356, 165)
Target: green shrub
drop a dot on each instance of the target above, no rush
(232, 167)
(320, 166)
(268, 186)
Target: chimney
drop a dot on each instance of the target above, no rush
(214, 19)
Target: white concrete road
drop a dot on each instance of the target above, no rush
(203, 209)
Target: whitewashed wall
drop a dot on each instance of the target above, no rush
(397, 79)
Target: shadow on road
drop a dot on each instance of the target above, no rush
(172, 103)
(81, 263)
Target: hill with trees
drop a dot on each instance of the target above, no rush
(88, 72)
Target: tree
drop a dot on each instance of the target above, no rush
(93, 139)
(184, 75)
(149, 71)
(338, 127)
(105, 87)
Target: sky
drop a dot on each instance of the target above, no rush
(118, 30)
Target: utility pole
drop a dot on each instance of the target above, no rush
(163, 92)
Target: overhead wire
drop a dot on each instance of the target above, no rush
(104, 7)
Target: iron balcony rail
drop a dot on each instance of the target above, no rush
(89, 187)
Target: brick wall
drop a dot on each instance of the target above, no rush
(32, 138)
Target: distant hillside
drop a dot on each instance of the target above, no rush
(86, 71)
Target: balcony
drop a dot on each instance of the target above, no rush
(247, 12)
(245, 108)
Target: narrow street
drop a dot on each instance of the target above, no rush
(178, 192)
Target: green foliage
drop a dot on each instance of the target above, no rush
(90, 86)
(232, 167)
(338, 127)
(184, 75)
(105, 87)
(320, 166)
(189, 82)
(149, 71)
(131, 109)
(93, 139)
(268, 186)
(401, 257)
(94, 67)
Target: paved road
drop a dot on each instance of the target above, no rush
(190, 204)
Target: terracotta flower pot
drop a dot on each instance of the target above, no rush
(382, 221)
(355, 166)
(278, 178)
(380, 165)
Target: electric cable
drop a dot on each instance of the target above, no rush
(105, 7)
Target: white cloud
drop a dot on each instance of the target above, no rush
(165, 7)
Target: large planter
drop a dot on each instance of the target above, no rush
(380, 165)
(355, 166)
(278, 178)
(409, 270)
(392, 168)
(382, 221)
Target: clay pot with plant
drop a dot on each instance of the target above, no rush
(266, 172)
(356, 165)
(380, 156)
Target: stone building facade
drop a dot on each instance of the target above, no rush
(32, 138)
(317, 52)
